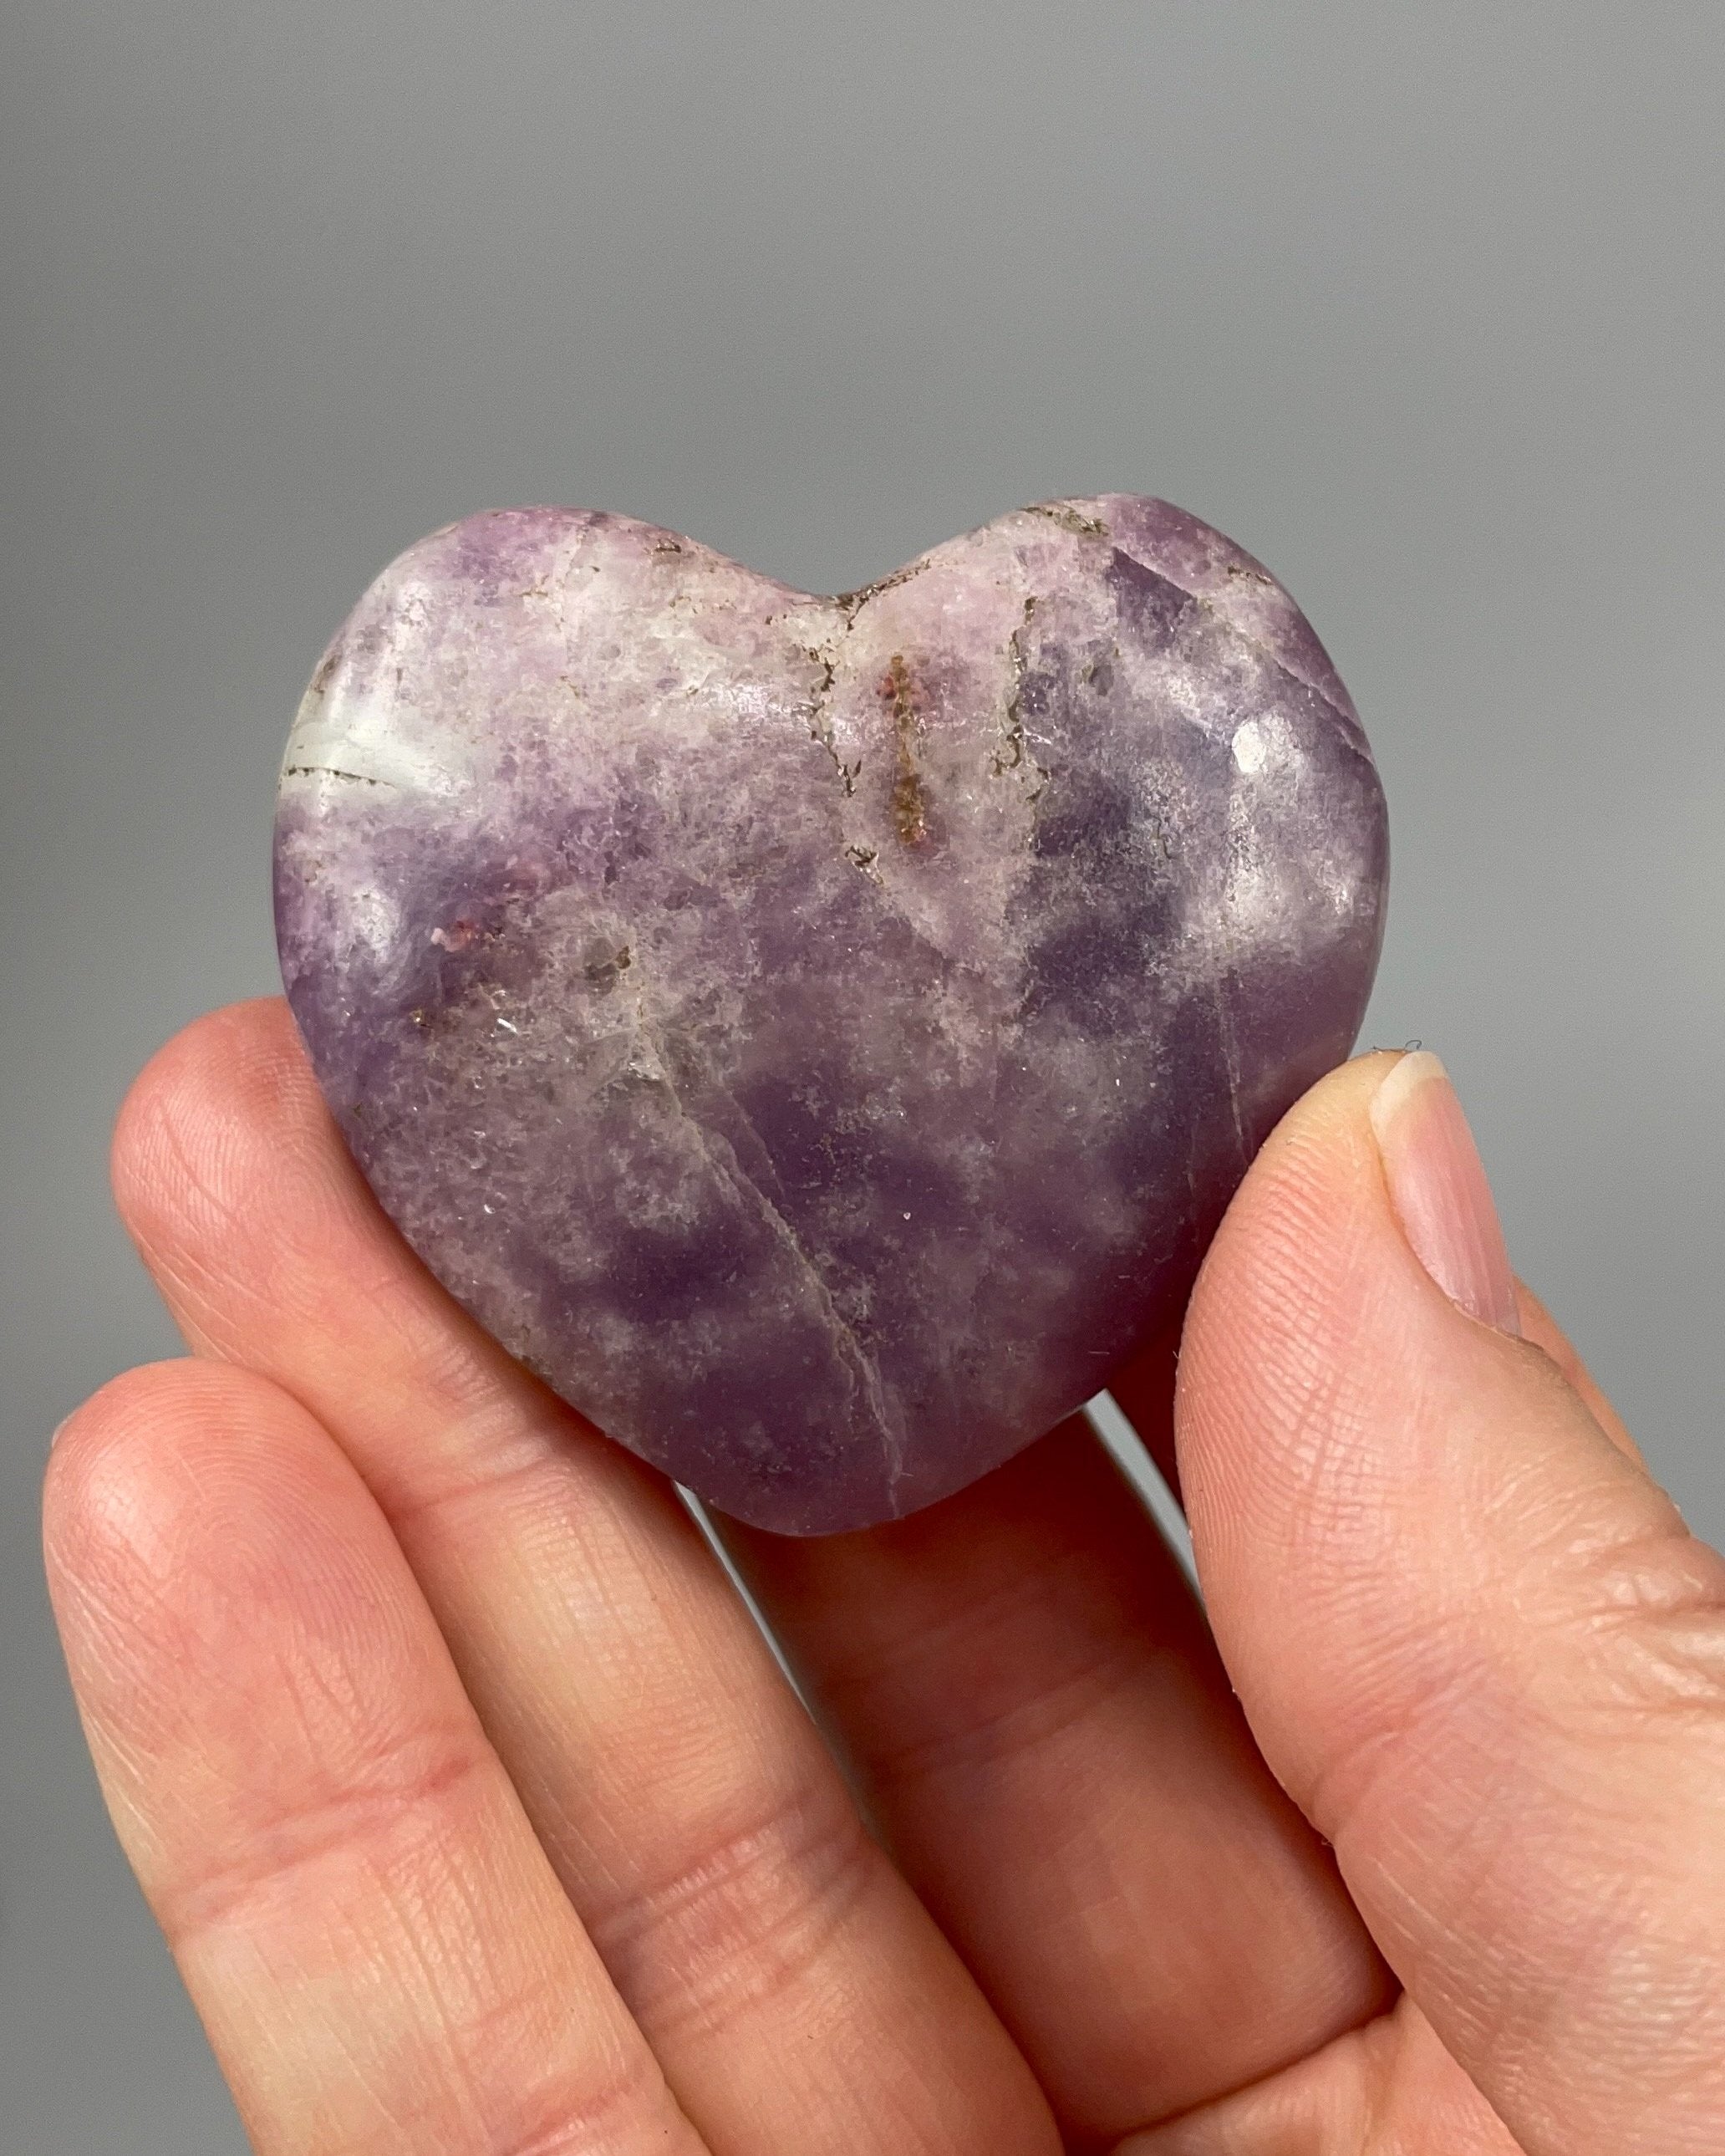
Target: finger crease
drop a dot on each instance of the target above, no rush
(403, 1795)
(1036, 1711)
(747, 1917)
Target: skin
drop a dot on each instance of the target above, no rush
(481, 1821)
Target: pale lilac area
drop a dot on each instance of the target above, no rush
(819, 1035)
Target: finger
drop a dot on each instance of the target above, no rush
(376, 1944)
(798, 1996)
(1387, 2089)
(1473, 1638)
(1030, 1698)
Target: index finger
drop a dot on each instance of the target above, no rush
(373, 1936)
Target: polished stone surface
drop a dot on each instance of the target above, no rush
(819, 1035)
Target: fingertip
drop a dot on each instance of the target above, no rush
(137, 1492)
(80, 1493)
(184, 1097)
(223, 1155)
(197, 1521)
(147, 1423)
(1332, 1235)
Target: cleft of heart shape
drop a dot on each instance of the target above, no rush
(819, 1035)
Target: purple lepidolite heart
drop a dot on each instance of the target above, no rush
(819, 1035)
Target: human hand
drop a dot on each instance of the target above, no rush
(481, 1822)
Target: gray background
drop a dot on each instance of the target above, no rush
(1423, 305)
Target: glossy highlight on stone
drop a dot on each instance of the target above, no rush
(820, 1036)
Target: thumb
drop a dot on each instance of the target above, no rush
(1475, 1641)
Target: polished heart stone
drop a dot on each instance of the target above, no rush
(819, 1035)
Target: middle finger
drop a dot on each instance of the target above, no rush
(1030, 1700)
(797, 1995)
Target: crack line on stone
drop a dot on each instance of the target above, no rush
(865, 1370)
(1069, 519)
(1224, 1023)
(331, 770)
(725, 1164)
(820, 726)
(1230, 1058)
(850, 605)
(868, 1369)
(1017, 754)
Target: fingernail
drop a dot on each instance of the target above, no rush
(1438, 1187)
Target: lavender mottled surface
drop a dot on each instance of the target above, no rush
(819, 1035)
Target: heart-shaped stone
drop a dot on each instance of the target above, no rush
(820, 1036)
